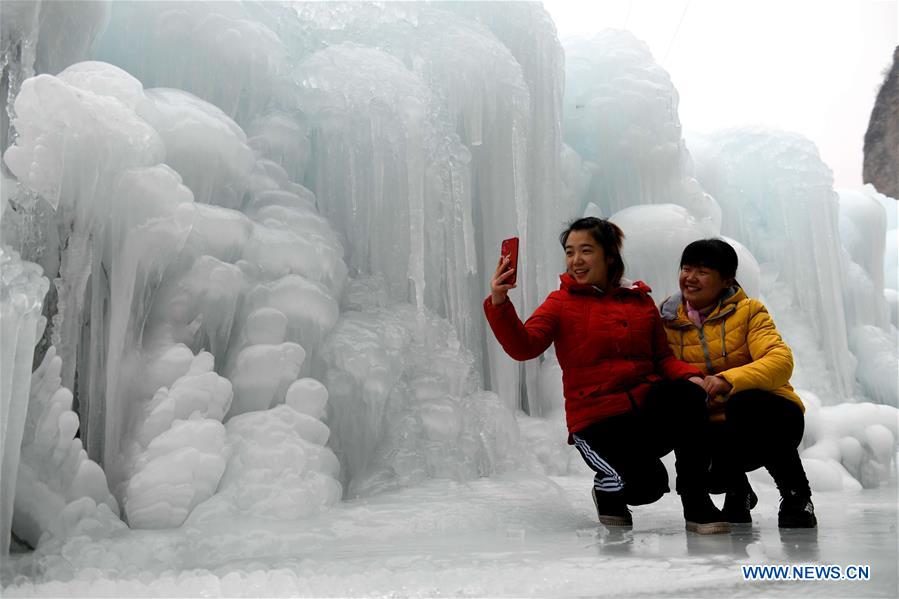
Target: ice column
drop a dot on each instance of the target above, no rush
(474, 92)
(872, 335)
(22, 290)
(77, 134)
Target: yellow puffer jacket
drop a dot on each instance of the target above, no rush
(738, 342)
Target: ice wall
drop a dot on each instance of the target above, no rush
(485, 78)
(220, 249)
(777, 198)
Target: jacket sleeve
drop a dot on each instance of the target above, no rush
(666, 364)
(524, 341)
(772, 360)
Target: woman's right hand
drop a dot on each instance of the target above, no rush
(499, 290)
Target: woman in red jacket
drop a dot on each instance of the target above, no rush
(628, 401)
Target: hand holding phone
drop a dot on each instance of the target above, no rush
(504, 277)
(509, 250)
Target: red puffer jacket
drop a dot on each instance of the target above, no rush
(611, 346)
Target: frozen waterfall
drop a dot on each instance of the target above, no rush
(245, 245)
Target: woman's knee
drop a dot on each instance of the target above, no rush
(648, 486)
(678, 397)
(749, 412)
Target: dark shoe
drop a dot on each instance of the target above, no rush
(796, 511)
(737, 505)
(702, 516)
(611, 509)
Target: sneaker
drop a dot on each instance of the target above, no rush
(796, 511)
(737, 505)
(701, 515)
(611, 509)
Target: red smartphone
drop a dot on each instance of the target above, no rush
(510, 249)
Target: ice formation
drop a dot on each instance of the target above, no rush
(21, 296)
(55, 477)
(405, 399)
(269, 228)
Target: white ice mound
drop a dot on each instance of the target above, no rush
(281, 138)
(203, 144)
(855, 443)
(262, 373)
(279, 466)
(655, 238)
(179, 470)
(73, 142)
(310, 307)
(176, 450)
(54, 470)
(308, 396)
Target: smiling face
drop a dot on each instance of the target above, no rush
(702, 286)
(585, 259)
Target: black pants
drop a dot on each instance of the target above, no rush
(624, 450)
(760, 429)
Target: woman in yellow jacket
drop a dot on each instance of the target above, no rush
(756, 418)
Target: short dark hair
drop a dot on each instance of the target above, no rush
(608, 235)
(711, 253)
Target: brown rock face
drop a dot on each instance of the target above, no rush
(881, 167)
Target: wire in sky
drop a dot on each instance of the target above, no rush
(676, 31)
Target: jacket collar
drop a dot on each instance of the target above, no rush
(625, 286)
(673, 309)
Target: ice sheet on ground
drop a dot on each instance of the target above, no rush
(510, 535)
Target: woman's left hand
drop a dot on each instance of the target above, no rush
(715, 385)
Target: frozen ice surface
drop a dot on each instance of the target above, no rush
(509, 535)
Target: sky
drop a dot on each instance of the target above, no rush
(812, 67)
